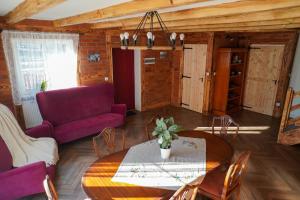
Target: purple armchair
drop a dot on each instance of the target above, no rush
(79, 112)
(27, 180)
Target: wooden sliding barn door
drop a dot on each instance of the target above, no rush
(262, 77)
(193, 76)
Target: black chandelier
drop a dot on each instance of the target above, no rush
(170, 37)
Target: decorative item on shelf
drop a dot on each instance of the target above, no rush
(165, 131)
(170, 37)
(43, 86)
(94, 57)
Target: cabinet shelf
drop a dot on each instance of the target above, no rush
(229, 80)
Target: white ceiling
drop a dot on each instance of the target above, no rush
(75, 7)
(8, 5)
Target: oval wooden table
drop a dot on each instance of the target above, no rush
(97, 183)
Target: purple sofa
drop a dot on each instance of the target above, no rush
(27, 180)
(82, 111)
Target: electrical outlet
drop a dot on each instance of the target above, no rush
(106, 78)
(278, 104)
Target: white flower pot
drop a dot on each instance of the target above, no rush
(165, 153)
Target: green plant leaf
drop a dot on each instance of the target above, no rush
(154, 133)
(160, 140)
(167, 135)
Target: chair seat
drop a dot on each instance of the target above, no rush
(213, 182)
(85, 127)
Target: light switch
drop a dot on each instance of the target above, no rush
(106, 78)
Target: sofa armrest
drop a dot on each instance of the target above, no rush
(119, 108)
(43, 130)
(22, 181)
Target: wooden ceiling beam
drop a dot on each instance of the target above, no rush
(291, 27)
(231, 12)
(128, 8)
(29, 8)
(232, 25)
(288, 15)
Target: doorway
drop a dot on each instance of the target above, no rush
(123, 75)
(262, 77)
(193, 77)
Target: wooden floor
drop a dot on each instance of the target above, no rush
(273, 173)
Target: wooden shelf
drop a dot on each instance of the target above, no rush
(235, 87)
(233, 98)
(235, 64)
(235, 76)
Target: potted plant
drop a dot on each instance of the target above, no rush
(165, 131)
(43, 86)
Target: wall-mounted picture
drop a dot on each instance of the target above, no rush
(94, 57)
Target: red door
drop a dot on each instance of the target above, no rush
(123, 66)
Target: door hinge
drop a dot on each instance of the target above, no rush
(183, 76)
(184, 104)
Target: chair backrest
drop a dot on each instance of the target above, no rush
(106, 138)
(50, 189)
(235, 174)
(186, 192)
(149, 126)
(225, 122)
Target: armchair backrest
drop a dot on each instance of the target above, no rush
(6, 159)
(66, 105)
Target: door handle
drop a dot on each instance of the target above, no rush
(275, 81)
(201, 79)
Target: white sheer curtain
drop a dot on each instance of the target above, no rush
(33, 57)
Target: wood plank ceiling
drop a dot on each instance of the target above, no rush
(230, 15)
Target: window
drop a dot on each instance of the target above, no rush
(34, 57)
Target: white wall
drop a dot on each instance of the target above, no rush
(137, 79)
(295, 77)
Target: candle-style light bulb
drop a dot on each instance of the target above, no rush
(122, 39)
(173, 39)
(173, 36)
(181, 36)
(149, 35)
(150, 40)
(126, 35)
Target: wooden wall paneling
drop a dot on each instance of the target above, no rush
(208, 92)
(177, 63)
(156, 80)
(91, 73)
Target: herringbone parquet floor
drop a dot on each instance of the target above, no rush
(273, 172)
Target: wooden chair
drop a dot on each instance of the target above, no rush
(220, 184)
(50, 189)
(225, 122)
(149, 126)
(108, 136)
(185, 192)
(289, 131)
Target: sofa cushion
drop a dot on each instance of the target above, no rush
(85, 127)
(67, 105)
(6, 159)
